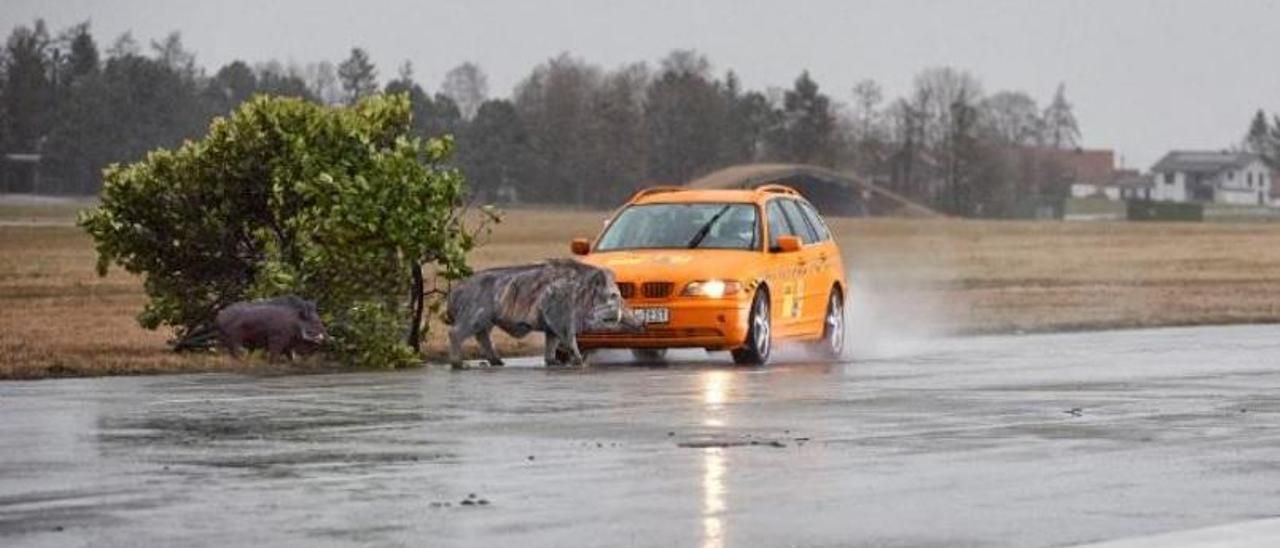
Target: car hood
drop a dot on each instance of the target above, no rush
(678, 265)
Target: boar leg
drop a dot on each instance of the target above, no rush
(234, 349)
(276, 348)
(233, 346)
(549, 353)
(571, 344)
(564, 321)
(456, 336)
(487, 345)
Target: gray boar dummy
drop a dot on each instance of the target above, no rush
(560, 297)
(284, 326)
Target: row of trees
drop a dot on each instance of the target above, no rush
(571, 132)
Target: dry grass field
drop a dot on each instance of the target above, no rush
(58, 318)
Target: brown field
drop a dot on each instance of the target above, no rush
(58, 318)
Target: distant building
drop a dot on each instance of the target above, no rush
(1212, 177)
(1080, 165)
(1134, 186)
(1095, 190)
(1125, 184)
(1093, 174)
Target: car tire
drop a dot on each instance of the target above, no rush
(759, 343)
(649, 355)
(831, 346)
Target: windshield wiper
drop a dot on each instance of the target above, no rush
(706, 229)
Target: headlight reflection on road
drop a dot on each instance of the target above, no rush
(712, 497)
(715, 388)
(715, 392)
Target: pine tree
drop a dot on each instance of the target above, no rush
(1263, 139)
(1061, 130)
(808, 135)
(358, 76)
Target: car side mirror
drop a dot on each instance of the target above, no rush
(788, 244)
(580, 246)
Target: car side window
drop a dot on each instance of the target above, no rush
(806, 233)
(778, 225)
(815, 221)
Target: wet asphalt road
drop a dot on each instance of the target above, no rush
(1003, 441)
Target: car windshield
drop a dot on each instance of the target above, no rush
(682, 226)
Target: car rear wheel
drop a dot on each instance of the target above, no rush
(649, 355)
(759, 341)
(831, 346)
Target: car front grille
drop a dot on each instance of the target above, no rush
(656, 290)
(627, 289)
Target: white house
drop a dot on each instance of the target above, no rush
(1092, 190)
(1135, 187)
(1123, 185)
(1211, 177)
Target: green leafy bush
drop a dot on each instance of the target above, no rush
(368, 334)
(340, 205)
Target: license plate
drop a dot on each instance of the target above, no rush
(654, 315)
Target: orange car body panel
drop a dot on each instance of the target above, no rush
(798, 282)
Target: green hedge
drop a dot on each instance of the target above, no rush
(1141, 210)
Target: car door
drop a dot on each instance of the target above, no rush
(785, 281)
(827, 270)
(810, 295)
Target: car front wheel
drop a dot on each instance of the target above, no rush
(831, 346)
(755, 350)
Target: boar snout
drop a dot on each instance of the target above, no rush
(630, 321)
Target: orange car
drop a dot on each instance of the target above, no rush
(735, 270)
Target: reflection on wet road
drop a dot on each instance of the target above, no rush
(715, 388)
(1007, 441)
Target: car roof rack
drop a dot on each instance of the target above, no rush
(777, 189)
(656, 190)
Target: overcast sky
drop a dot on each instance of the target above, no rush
(1145, 76)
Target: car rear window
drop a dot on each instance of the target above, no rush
(807, 233)
(815, 221)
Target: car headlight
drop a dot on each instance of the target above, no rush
(714, 289)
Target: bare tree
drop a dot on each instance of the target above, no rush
(174, 55)
(936, 91)
(684, 117)
(468, 86)
(1013, 118)
(554, 105)
(616, 138)
(867, 96)
(947, 100)
(322, 80)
